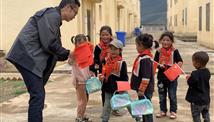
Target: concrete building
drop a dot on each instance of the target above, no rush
(121, 15)
(192, 20)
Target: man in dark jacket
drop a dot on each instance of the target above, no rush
(37, 49)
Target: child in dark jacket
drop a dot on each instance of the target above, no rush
(167, 56)
(198, 94)
(101, 52)
(114, 70)
(142, 80)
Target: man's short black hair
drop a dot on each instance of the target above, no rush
(63, 3)
(201, 58)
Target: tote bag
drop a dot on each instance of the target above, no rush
(93, 85)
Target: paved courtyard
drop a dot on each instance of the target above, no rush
(60, 104)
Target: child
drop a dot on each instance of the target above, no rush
(114, 70)
(80, 75)
(100, 54)
(198, 93)
(142, 80)
(167, 56)
(101, 50)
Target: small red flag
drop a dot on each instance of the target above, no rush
(173, 72)
(123, 86)
(84, 55)
(155, 65)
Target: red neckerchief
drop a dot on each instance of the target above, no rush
(111, 65)
(166, 56)
(145, 52)
(104, 50)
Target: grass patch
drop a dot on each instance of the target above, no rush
(11, 88)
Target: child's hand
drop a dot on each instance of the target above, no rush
(187, 77)
(96, 66)
(140, 93)
(101, 77)
(92, 74)
(180, 64)
(162, 66)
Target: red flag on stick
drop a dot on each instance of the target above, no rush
(84, 55)
(123, 86)
(173, 72)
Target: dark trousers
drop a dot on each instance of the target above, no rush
(35, 87)
(200, 109)
(169, 87)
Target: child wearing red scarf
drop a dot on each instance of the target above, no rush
(80, 74)
(115, 69)
(100, 54)
(142, 79)
(167, 56)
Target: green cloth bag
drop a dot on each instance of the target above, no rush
(119, 101)
(93, 85)
(140, 107)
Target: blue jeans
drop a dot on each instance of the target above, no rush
(107, 107)
(35, 87)
(171, 88)
(200, 109)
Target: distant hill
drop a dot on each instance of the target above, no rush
(153, 12)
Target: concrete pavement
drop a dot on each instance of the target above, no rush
(60, 104)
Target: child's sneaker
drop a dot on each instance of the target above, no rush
(172, 115)
(84, 119)
(116, 113)
(79, 120)
(161, 114)
(87, 119)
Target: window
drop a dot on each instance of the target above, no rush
(185, 16)
(208, 17)
(200, 18)
(175, 1)
(100, 12)
(175, 20)
(170, 23)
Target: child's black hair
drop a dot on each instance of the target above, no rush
(79, 37)
(201, 58)
(107, 28)
(168, 34)
(146, 40)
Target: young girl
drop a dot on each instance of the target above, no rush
(80, 75)
(142, 80)
(114, 70)
(167, 56)
(101, 50)
(100, 54)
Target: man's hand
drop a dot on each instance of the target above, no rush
(71, 55)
